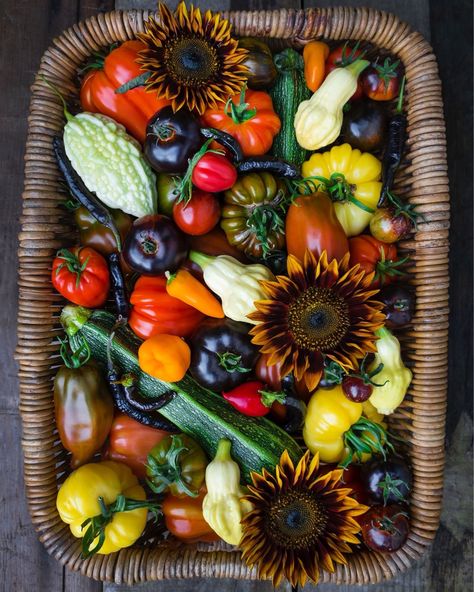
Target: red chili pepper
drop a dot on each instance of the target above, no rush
(252, 399)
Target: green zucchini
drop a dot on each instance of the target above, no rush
(204, 415)
(287, 93)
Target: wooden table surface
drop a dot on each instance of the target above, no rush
(26, 29)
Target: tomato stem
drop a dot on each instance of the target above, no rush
(239, 113)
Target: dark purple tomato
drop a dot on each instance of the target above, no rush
(356, 389)
(385, 528)
(365, 126)
(172, 139)
(387, 481)
(154, 245)
(399, 305)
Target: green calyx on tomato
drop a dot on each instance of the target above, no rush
(71, 261)
(253, 216)
(387, 268)
(177, 464)
(231, 362)
(387, 71)
(185, 185)
(338, 188)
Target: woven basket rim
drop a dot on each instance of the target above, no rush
(40, 236)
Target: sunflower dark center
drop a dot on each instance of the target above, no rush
(295, 520)
(318, 319)
(191, 61)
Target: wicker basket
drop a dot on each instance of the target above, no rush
(421, 419)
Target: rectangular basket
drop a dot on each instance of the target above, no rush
(420, 421)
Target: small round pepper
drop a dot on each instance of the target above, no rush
(166, 357)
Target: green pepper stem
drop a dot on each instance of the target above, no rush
(383, 332)
(73, 318)
(223, 450)
(201, 259)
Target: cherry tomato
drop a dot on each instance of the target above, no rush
(374, 255)
(385, 528)
(381, 82)
(342, 56)
(389, 227)
(356, 389)
(199, 215)
(387, 481)
(214, 173)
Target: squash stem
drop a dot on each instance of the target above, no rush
(357, 67)
(73, 318)
(200, 259)
(223, 450)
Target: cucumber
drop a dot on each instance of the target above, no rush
(287, 93)
(204, 415)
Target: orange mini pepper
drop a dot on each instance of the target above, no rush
(315, 54)
(185, 287)
(166, 357)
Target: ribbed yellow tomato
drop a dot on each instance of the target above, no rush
(352, 181)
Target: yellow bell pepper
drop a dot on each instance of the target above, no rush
(107, 497)
(334, 427)
(351, 178)
(223, 506)
(394, 377)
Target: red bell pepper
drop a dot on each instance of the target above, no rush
(133, 108)
(252, 398)
(155, 311)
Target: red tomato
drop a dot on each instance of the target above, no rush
(199, 215)
(374, 255)
(184, 519)
(342, 56)
(81, 275)
(385, 528)
(214, 173)
(382, 82)
(130, 442)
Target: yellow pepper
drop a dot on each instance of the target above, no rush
(334, 427)
(351, 178)
(223, 506)
(394, 377)
(107, 497)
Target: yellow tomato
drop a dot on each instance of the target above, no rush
(79, 500)
(353, 183)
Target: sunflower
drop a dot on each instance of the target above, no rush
(320, 309)
(302, 519)
(192, 59)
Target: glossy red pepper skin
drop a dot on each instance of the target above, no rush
(133, 108)
(247, 399)
(155, 311)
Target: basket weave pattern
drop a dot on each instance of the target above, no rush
(420, 421)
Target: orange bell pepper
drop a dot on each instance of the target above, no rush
(315, 54)
(250, 118)
(185, 287)
(133, 108)
(166, 357)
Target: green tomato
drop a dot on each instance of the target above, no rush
(167, 193)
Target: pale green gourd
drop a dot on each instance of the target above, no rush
(318, 121)
(110, 163)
